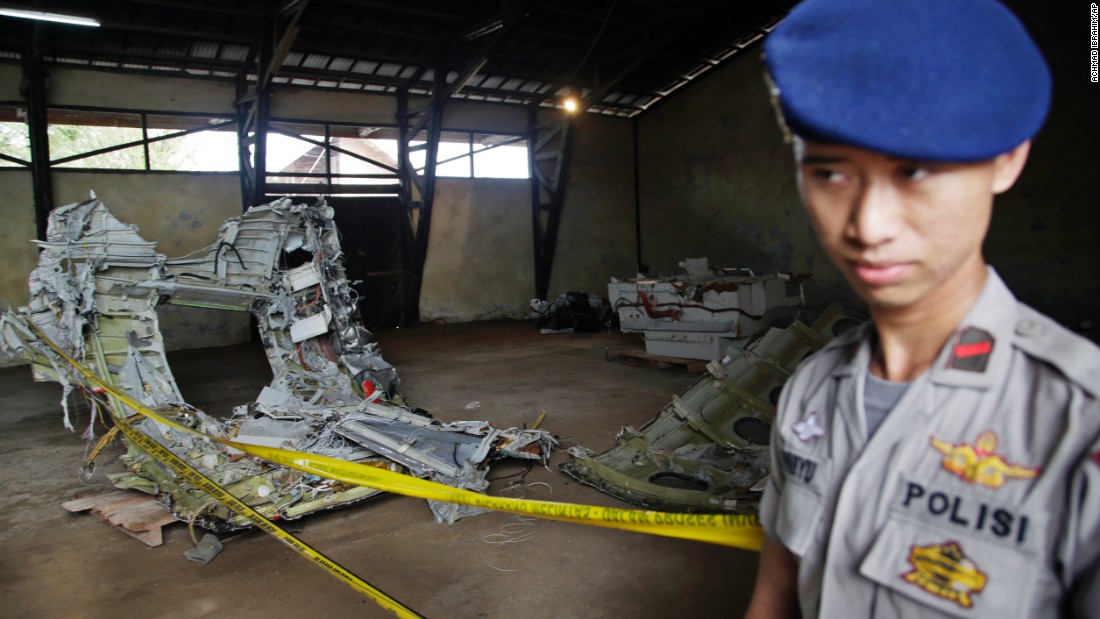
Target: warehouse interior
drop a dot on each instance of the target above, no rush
(673, 153)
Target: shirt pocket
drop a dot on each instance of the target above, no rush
(799, 512)
(955, 572)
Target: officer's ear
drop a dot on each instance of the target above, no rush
(1007, 167)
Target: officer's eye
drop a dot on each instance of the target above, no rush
(826, 175)
(915, 173)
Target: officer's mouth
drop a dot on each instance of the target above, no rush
(879, 273)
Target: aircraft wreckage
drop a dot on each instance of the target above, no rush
(95, 295)
(707, 450)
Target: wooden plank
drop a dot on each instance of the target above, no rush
(693, 366)
(108, 510)
(151, 538)
(140, 517)
(88, 499)
(134, 513)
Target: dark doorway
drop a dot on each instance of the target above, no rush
(379, 257)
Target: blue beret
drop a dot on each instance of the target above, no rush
(939, 80)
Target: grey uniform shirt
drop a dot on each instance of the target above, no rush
(979, 495)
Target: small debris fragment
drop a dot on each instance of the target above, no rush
(208, 548)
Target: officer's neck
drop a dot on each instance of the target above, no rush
(911, 337)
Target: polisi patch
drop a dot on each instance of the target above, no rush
(979, 463)
(946, 572)
(966, 512)
(971, 350)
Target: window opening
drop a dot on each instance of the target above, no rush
(93, 139)
(329, 158)
(315, 153)
(500, 156)
(15, 143)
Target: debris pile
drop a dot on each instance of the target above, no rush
(571, 312)
(698, 314)
(707, 450)
(95, 294)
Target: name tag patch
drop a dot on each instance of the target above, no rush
(798, 467)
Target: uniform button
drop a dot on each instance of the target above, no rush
(1027, 327)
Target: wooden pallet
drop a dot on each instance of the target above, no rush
(134, 513)
(693, 366)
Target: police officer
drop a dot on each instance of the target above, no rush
(944, 459)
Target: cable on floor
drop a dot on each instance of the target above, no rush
(516, 528)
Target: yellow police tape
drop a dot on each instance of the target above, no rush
(219, 494)
(739, 531)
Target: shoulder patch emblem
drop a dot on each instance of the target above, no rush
(809, 428)
(971, 350)
(946, 572)
(980, 463)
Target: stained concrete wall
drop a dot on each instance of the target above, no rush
(17, 212)
(20, 255)
(72, 86)
(597, 234)
(718, 181)
(480, 263)
(480, 258)
(10, 76)
(357, 108)
(180, 212)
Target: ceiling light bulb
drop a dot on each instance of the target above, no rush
(570, 104)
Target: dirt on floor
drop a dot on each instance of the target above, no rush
(59, 564)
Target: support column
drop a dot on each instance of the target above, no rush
(418, 191)
(549, 148)
(34, 90)
(254, 103)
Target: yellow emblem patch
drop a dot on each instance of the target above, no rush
(944, 571)
(979, 463)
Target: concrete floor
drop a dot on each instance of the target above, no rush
(57, 564)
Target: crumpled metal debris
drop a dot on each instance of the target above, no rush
(95, 294)
(698, 314)
(206, 550)
(707, 450)
(569, 312)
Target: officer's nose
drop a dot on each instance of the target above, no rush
(876, 214)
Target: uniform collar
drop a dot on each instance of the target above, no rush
(981, 345)
(977, 350)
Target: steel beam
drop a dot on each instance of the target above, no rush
(407, 183)
(435, 130)
(253, 106)
(201, 8)
(254, 102)
(549, 149)
(34, 76)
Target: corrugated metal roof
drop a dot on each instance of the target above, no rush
(625, 55)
